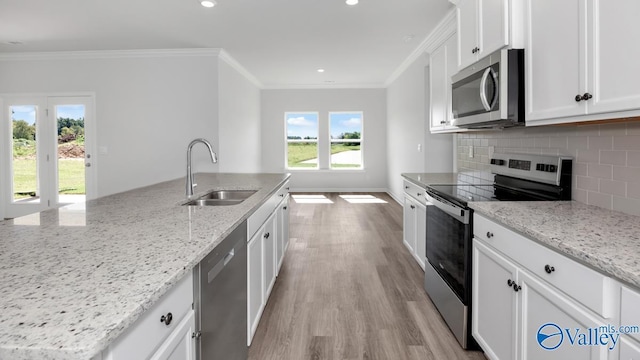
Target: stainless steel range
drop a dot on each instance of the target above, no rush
(518, 177)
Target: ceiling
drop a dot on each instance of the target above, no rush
(280, 42)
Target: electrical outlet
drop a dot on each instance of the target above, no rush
(419, 147)
(471, 151)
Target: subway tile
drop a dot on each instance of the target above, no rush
(587, 130)
(528, 142)
(629, 142)
(633, 127)
(625, 173)
(484, 142)
(601, 142)
(613, 129)
(599, 171)
(588, 156)
(579, 195)
(626, 205)
(578, 142)
(515, 142)
(542, 142)
(612, 187)
(601, 200)
(587, 183)
(633, 190)
(558, 142)
(579, 169)
(503, 143)
(550, 151)
(493, 142)
(633, 158)
(613, 157)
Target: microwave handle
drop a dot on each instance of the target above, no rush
(483, 85)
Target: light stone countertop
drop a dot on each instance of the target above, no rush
(606, 240)
(73, 279)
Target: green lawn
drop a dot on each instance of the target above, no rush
(71, 176)
(299, 152)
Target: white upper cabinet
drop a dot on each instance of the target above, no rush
(580, 60)
(485, 26)
(442, 66)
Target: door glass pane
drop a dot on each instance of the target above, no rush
(346, 139)
(71, 153)
(302, 140)
(24, 159)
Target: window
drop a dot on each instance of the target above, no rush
(346, 140)
(302, 140)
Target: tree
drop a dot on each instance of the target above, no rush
(22, 130)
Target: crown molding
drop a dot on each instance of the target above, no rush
(445, 28)
(109, 54)
(227, 58)
(322, 86)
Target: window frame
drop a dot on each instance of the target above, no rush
(332, 141)
(288, 141)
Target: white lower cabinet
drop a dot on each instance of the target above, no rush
(522, 309)
(268, 229)
(414, 224)
(629, 350)
(162, 332)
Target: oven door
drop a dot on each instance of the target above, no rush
(449, 245)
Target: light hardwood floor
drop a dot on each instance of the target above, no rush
(349, 289)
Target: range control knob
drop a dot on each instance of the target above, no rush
(498, 162)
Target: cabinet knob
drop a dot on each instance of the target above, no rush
(284, 208)
(549, 269)
(266, 236)
(578, 98)
(281, 195)
(510, 283)
(412, 207)
(443, 122)
(196, 335)
(586, 96)
(406, 187)
(516, 288)
(166, 319)
(489, 234)
(418, 194)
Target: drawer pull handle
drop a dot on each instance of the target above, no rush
(489, 234)
(166, 319)
(549, 269)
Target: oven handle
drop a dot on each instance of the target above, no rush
(456, 212)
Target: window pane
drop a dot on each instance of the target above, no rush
(302, 140)
(346, 139)
(71, 175)
(24, 149)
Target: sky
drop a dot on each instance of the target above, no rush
(306, 124)
(28, 112)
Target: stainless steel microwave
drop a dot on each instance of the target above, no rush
(490, 93)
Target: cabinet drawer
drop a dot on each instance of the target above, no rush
(630, 310)
(415, 191)
(587, 286)
(148, 333)
(258, 218)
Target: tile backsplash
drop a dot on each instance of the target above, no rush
(606, 167)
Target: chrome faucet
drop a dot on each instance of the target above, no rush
(214, 159)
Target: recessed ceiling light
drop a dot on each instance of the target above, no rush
(208, 3)
(352, 2)
(320, 70)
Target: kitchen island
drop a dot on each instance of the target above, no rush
(76, 278)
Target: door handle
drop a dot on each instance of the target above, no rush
(483, 86)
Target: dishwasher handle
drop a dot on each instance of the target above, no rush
(211, 275)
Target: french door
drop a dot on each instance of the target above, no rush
(47, 152)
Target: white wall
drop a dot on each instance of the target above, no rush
(372, 102)
(407, 127)
(239, 122)
(148, 107)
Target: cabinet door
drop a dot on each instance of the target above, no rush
(269, 238)
(493, 26)
(629, 350)
(438, 87)
(409, 224)
(180, 345)
(283, 231)
(555, 42)
(613, 58)
(493, 303)
(421, 234)
(255, 292)
(467, 15)
(549, 319)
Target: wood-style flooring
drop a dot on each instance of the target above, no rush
(349, 289)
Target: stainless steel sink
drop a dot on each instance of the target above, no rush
(221, 198)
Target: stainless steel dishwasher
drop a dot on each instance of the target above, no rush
(220, 285)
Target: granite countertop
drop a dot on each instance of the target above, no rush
(606, 240)
(426, 179)
(73, 279)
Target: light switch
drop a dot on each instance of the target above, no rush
(471, 151)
